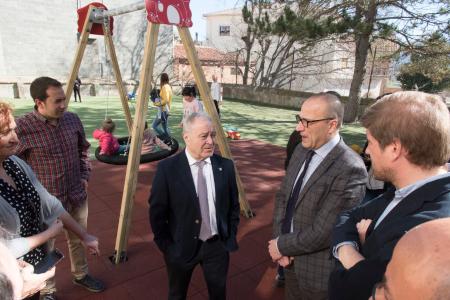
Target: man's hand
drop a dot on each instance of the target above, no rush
(285, 261)
(273, 250)
(91, 244)
(362, 226)
(33, 283)
(349, 256)
(85, 184)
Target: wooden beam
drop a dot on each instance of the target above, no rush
(79, 54)
(118, 76)
(211, 110)
(136, 142)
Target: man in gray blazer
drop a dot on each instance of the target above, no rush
(324, 178)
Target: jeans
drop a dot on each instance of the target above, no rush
(161, 119)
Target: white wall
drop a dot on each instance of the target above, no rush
(230, 18)
(38, 38)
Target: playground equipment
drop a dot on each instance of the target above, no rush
(121, 159)
(174, 12)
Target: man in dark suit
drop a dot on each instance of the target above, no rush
(194, 210)
(409, 145)
(324, 177)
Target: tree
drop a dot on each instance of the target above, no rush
(278, 44)
(427, 72)
(403, 22)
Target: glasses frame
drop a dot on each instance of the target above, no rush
(303, 121)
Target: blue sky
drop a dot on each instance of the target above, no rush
(201, 7)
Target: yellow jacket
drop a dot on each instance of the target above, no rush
(166, 97)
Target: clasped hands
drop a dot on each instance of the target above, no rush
(284, 261)
(276, 256)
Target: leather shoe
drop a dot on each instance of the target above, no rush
(90, 283)
(51, 296)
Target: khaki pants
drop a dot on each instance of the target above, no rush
(77, 252)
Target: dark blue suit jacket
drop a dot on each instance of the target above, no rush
(429, 202)
(175, 214)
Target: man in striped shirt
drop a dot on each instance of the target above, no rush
(53, 143)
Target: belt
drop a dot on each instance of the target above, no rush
(212, 239)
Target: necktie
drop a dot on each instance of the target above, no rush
(286, 224)
(202, 191)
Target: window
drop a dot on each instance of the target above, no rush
(233, 71)
(224, 30)
(344, 63)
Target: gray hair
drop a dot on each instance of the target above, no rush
(187, 122)
(335, 108)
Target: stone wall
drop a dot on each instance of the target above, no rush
(274, 97)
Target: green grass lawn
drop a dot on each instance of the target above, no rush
(268, 124)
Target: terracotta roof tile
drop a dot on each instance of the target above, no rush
(207, 54)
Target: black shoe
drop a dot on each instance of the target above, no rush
(48, 297)
(90, 283)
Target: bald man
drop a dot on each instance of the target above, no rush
(420, 265)
(324, 177)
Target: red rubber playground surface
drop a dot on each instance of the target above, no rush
(143, 276)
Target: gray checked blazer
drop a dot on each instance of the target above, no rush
(337, 184)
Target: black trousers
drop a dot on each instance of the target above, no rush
(76, 91)
(216, 103)
(214, 260)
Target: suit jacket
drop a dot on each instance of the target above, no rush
(429, 202)
(337, 184)
(174, 211)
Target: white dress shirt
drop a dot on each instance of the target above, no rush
(209, 177)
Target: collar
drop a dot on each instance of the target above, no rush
(325, 149)
(42, 118)
(192, 161)
(405, 191)
(39, 116)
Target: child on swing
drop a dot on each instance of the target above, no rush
(150, 141)
(109, 145)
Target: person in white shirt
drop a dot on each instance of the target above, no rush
(216, 93)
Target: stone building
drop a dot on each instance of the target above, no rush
(39, 38)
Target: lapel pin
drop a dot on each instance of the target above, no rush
(220, 169)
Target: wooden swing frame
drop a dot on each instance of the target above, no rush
(137, 127)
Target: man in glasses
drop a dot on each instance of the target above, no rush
(420, 265)
(409, 145)
(324, 177)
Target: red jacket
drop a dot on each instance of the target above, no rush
(108, 143)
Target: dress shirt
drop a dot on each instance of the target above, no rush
(402, 193)
(317, 159)
(209, 177)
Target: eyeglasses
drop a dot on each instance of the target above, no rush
(306, 123)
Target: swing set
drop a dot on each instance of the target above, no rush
(95, 18)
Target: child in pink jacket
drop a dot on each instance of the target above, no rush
(107, 141)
